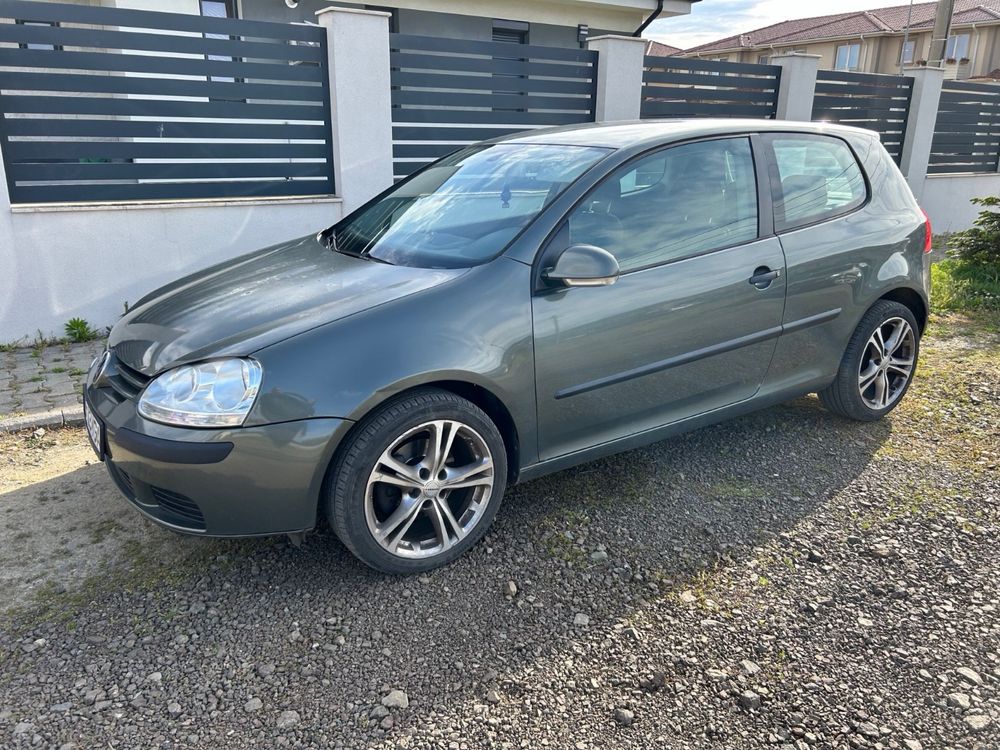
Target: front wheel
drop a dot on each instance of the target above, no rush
(418, 483)
(878, 365)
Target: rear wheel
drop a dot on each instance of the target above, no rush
(878, 365)
(419, 482)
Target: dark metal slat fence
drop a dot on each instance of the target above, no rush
(447, 93)
(866, 100)
(108, 104)
(967, 129)
(688, 87)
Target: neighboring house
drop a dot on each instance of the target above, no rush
(874, 41)
(659, 49)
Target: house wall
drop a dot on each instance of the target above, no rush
(61, 263)
(459, 25)
(946, 198)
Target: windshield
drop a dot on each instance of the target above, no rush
(466, 208)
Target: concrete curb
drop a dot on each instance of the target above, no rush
(66, 417)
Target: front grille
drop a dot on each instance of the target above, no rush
(179, 505)
(133, 377)
(127, 381)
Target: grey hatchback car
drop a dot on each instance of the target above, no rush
(518, 307)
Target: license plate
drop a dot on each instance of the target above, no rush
(95, 430)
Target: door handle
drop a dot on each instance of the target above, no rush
(763, 276)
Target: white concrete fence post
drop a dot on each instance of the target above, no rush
(360, 99)
(920, 122)
(797, 85)
(619, 76)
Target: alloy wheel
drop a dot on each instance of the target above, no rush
(429, 489)
(887, 363)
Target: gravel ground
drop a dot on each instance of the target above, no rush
(786, 579)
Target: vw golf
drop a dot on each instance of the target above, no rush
(516, 308)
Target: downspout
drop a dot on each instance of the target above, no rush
(652, 17)
(974, 52)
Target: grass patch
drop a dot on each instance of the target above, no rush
(963, 286)
(734, 489)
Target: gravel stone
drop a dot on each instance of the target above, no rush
(959, 700)
(396, 699)
(287, 719)
(969, 675)
(624, 717)
(254, 704)
(581, 620)
(750, 667)
(749, 700)
(978, 722)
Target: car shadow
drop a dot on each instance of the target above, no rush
(600, 540)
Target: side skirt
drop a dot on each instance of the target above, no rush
(647, 437)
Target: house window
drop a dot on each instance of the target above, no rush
(958, 47)
(848, 56)
(515, 32)
(763, 59)
(218, 8)
(908, 52)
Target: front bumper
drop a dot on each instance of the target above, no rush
(246, 481)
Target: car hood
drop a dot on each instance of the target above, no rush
(250, 302)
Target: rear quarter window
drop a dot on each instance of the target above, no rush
(818, 178)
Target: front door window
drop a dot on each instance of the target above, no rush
(676, 203)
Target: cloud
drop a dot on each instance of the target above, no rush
(717, 19)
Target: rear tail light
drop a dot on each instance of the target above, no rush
(928, 237)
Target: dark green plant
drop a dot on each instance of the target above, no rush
(78, 330)
(980, 244)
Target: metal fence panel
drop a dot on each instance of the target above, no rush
(688, 87)
(107, 104)
(447, 93)
(866, 100)
(967, 130)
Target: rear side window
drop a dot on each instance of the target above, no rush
(818, 179)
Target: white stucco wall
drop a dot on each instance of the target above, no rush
(56, 265)
(946, 198)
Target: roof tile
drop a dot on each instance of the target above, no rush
(879, 20)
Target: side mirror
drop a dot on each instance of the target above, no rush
(583, 265)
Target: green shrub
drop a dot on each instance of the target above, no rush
(979, 245)
(78, 330)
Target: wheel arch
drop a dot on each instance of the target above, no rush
(911, 299)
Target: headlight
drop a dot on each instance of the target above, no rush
(210, 394)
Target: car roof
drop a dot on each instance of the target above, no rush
(652, 132)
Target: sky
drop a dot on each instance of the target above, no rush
(716, 19)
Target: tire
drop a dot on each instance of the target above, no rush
(848, 395)
(381, 484)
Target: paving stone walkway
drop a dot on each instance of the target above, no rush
(40, 386)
